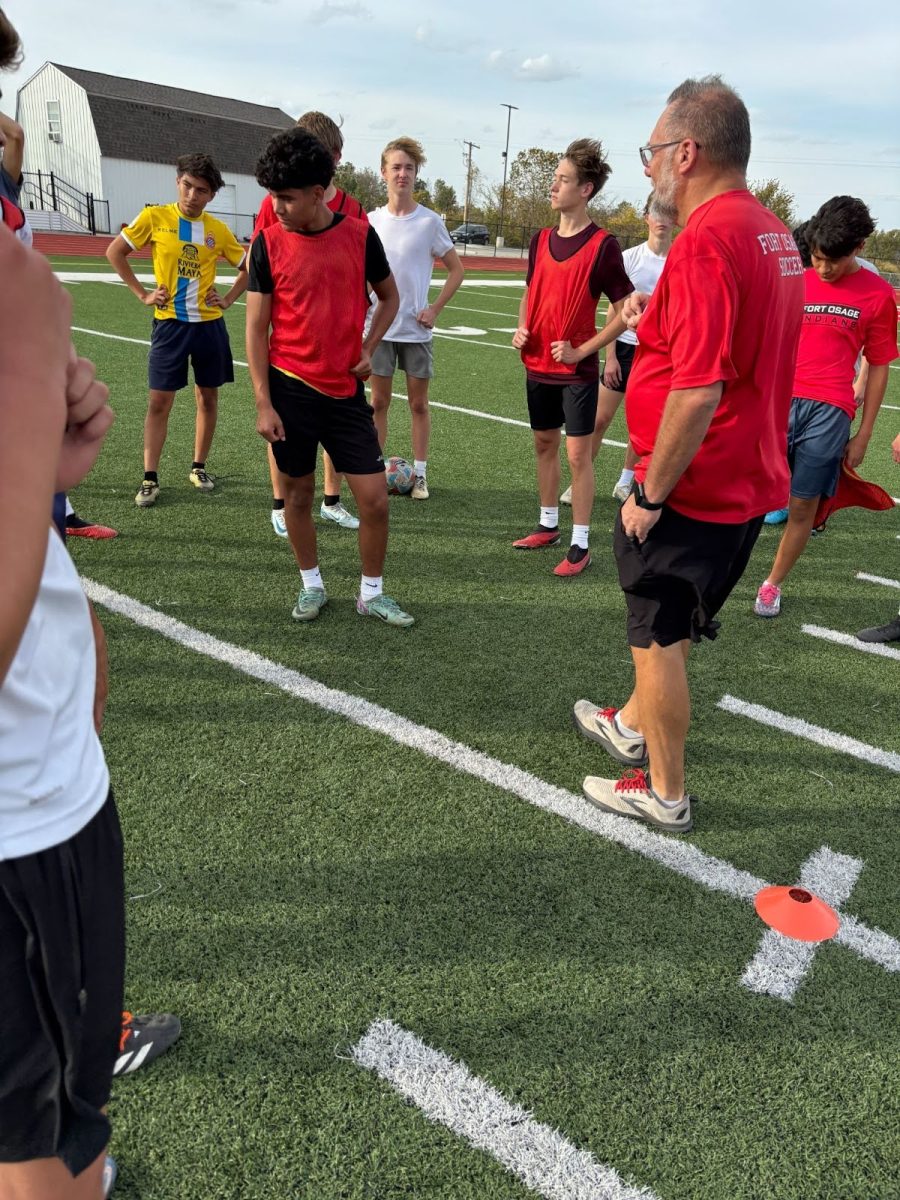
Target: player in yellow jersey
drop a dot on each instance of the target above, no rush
(187, 244)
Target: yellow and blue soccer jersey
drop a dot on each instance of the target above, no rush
(185, 253)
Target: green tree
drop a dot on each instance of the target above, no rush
(773, 194)
(445, 200)
(365, 185)
(422, 193)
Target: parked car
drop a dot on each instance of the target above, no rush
(469, 234)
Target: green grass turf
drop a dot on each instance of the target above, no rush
(313, 876)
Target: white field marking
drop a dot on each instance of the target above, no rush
(781, 963)
(892, 407)
(847, 639)
(894, 583)
(448, 1093)
(469, 342)
(112, 277)
(469, 412)
(813, 733)
(463, 330)
(679, 856)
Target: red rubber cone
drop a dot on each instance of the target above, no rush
(797, 913)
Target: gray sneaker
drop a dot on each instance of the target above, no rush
(420, 488)
(632, 796)
(621, 492)
(148, 493)
(339, 515)
(882, 633)
(598, 725)
(566, 497)
(385, 609)
(309, 604)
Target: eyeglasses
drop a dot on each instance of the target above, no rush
(647, 152)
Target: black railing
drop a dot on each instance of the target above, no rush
(46, 191)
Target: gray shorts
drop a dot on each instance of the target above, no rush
(817, 435)
(413, 358)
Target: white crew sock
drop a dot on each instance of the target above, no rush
(69, 508)
(550, 517)
(580, 536)
(626, 478)
(625, 731)
(312, 579)
(419, 467)
(371, 587)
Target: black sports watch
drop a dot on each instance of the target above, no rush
(637, 491)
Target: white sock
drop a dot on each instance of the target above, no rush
(419, 467)
(625, 731)
(667, 803)
(626, 478)
(550, 517)
(580, 536)
(370, 587)
(312, 579)
(69, 508)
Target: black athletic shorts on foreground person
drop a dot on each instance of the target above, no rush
(679, 578)
(552, 405)
(343, 426)
(62, 963)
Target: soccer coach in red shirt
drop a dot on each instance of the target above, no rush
(707, 411)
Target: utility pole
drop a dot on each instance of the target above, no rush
(471, 145)
(509, 112)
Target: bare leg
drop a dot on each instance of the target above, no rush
(665, 707)
(630, 712)
(156, 425)
(50, 1179)
(370, 494)
(298, 499)
(631, 459)
(274, 474)
(381, 402)
(546, 448)
(417, 391)
(581, 466)
(207, 415)
(801, 515)
(608, 403)
(331, 479)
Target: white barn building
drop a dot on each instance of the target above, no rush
(90, 136)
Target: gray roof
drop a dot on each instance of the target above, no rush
(148, 122)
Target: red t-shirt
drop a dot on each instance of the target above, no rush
(340, 202)
(858, 313)
(727, 309)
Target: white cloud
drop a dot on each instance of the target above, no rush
(329, 10)
(545, 69)
(437, 39)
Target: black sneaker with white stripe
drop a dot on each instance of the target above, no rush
(145, 1038)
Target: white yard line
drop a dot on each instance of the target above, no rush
(871, 755)
(453, 337)
(781, 963)
(447, 1092)
(682, 857)
(847, 639)
(894, 583)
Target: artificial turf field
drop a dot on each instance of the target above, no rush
(294, 875)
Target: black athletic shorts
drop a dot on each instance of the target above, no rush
(344, 427)
(204, 344)
(62, 963)
(679, 578)
(625, 358)
(552, 405)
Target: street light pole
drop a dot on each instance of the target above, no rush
(509, 112)
(471, 145)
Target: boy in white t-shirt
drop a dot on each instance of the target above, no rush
(413, 237)
(644, 264)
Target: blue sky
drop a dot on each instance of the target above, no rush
(823, 94)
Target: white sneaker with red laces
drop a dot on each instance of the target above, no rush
(768, 601)
(632, 796)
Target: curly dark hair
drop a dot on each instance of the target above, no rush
(800, 237)
(587, 157)
(840, 226)
(202, 167)
(294, 159)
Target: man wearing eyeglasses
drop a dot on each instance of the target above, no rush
(707, 412)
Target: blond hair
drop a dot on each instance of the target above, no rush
(324, 130)
(408, 146)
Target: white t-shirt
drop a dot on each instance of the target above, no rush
(643, 268)
(411, 243)
(53, 776)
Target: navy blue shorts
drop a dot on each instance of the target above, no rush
(817, 436)
(204, 343)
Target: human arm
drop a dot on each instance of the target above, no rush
(388, 301)
(12, 138)
(101, 687)
(235, 255)
(259, 315)
(895, 448)
(565, 352)
(117, 255)
(455, 276)
(859, 383)
(520, 337)
(685, 420)
(633, 309)
(876, 386)
(612, 372)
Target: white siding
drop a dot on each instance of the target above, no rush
(77, 157)
(128, 186)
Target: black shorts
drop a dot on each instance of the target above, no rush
(625, 358)
(344, 427)
(204, 344)
(680, 577)
(62, 962)
(552, 405)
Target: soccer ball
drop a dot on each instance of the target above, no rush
(399, 476)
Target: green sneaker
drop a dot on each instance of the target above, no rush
(309, 604)
(385, 609)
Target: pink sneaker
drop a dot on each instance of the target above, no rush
(768, 601)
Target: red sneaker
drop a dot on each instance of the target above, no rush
(576, 561)
(97, 532)
(537, 540)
